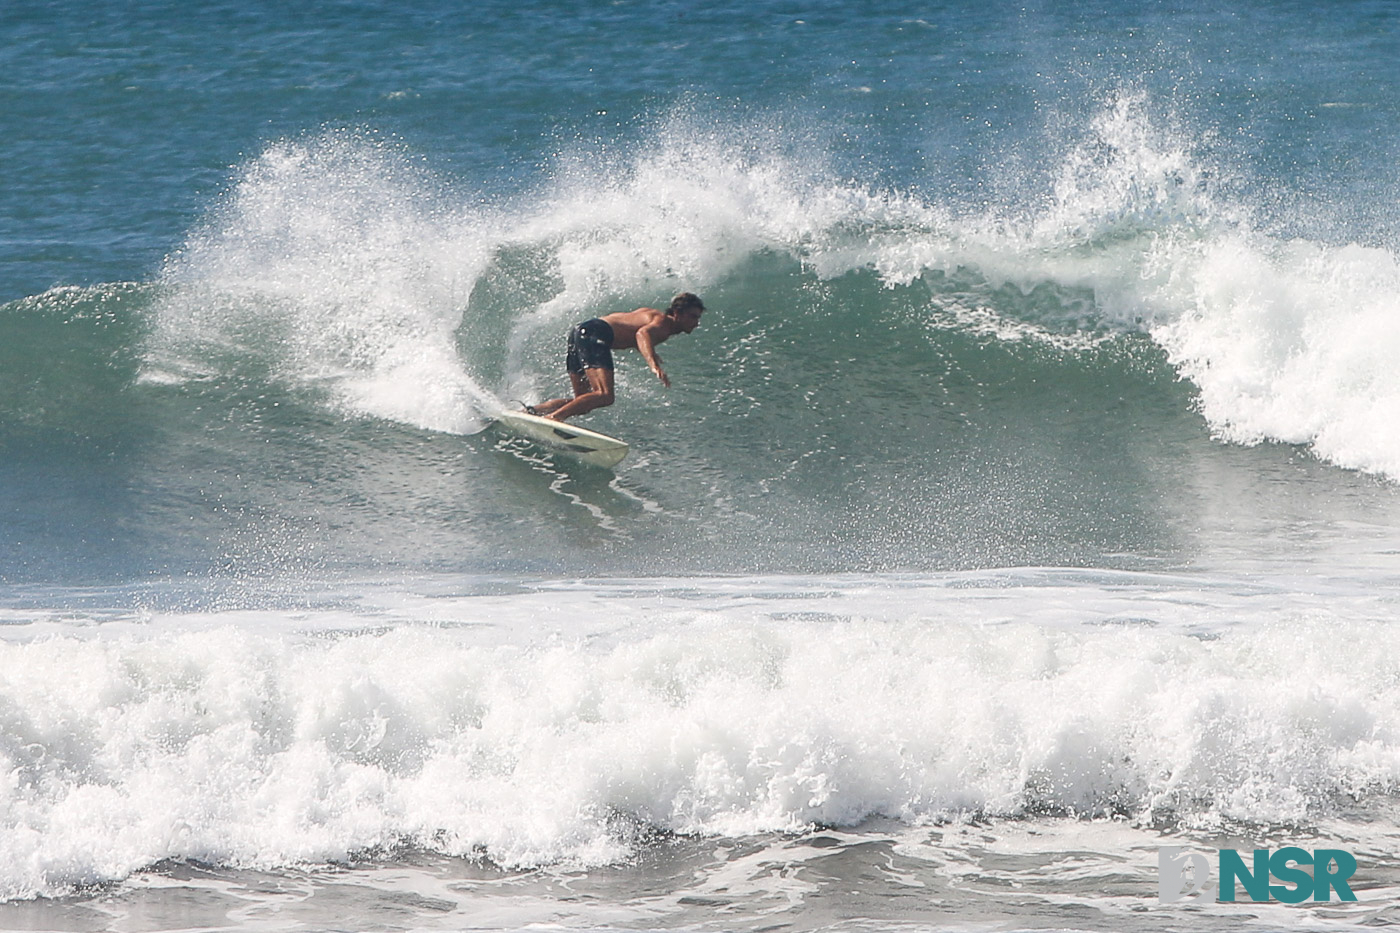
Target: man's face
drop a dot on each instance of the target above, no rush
(689, 319)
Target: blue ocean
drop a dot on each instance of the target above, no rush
(1027, 502)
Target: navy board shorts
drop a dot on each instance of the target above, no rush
(590, 346)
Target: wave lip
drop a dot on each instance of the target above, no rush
(1296, 342)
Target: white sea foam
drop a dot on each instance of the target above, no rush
(543, 725)
(329, 264)
(1294, 341)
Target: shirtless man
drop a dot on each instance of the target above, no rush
(589, 360)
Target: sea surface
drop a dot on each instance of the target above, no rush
(1027, 501)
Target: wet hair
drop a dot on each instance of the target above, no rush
(685, 301)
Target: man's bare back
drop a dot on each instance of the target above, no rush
(625, 325)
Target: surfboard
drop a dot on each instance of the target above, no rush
(588, 446)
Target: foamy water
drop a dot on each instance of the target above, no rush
(534, 727)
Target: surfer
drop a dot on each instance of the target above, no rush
(589, 358)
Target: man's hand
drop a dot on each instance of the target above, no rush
(661, 374)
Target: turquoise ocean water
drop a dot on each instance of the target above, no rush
(1026, 501)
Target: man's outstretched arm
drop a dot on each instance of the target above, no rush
(647, 349)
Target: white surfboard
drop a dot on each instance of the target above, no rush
(588, 446)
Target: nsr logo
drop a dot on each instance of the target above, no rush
(1331, 869)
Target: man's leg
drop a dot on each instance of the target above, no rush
(580, 385)
(596, 394)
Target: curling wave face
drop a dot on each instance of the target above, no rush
(887, 382)
(334, 263)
